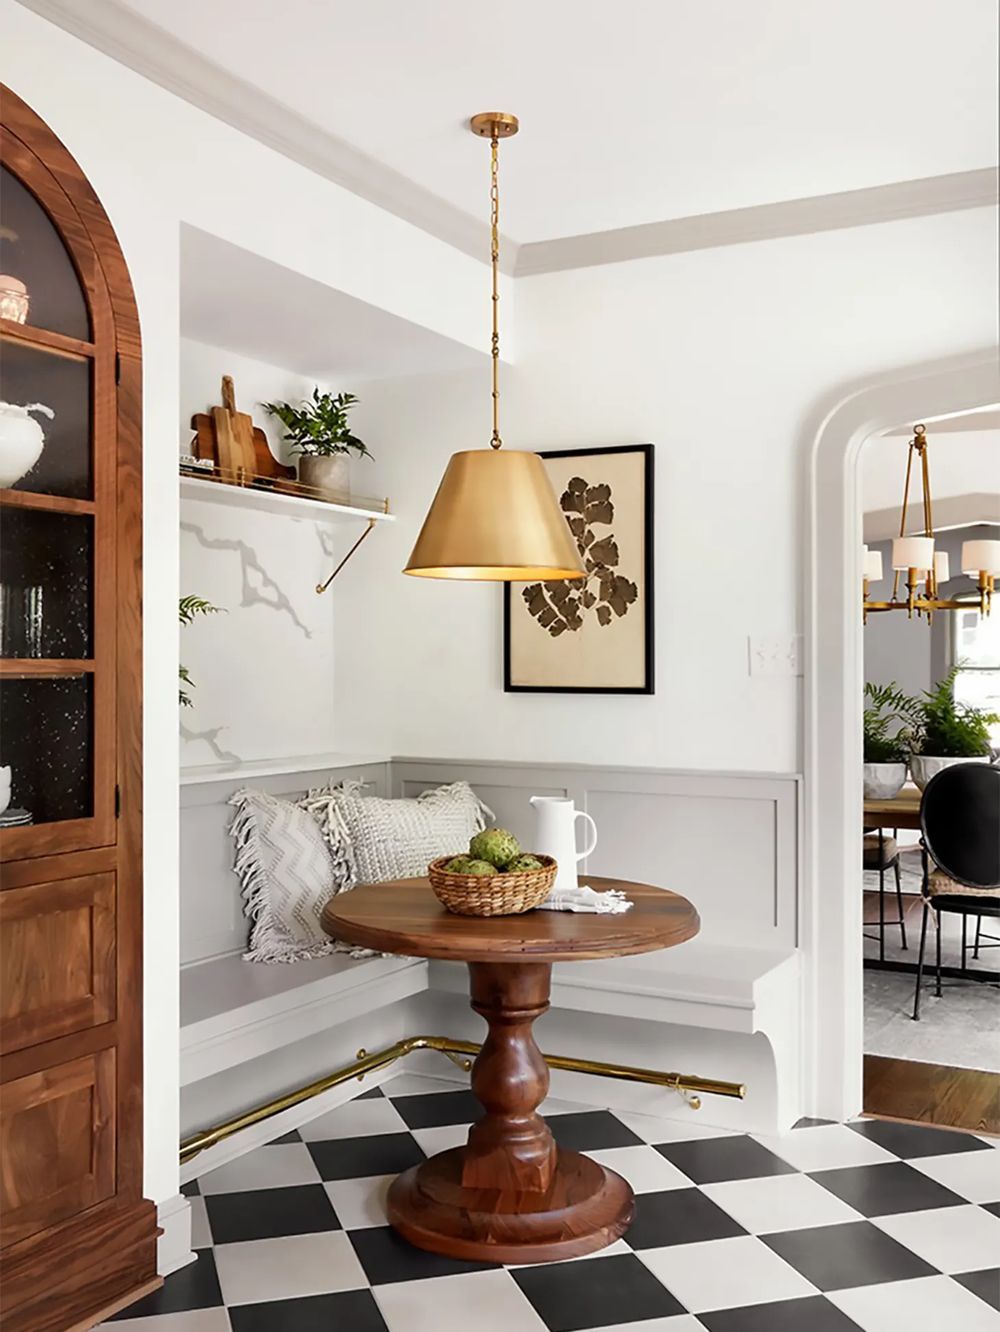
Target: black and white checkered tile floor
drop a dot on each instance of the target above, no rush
(872, 1225)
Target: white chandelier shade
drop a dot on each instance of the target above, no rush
(873, 565)
(980, 557)
(913, 552)
(942, 567)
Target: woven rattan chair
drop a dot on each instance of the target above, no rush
(960, 840)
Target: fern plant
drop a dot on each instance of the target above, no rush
(319, 425)
(188, 609)
(886, 706)
(945, 728)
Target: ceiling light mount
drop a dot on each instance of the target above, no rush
(494, 125)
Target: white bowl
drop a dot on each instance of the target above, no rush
(924, 766)
(883, 780)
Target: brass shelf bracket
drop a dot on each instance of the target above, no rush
(321, 587)
(691, 1087)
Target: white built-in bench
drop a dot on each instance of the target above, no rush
(712, 1006)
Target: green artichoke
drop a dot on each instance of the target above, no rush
(479, 867)
(521, 863)
(497, 845)
(459, 865)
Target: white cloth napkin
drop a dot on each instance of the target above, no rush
(583, 898)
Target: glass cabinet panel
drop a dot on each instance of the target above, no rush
(46, 564)
(33, 374)
(47, 741)
(38, 283)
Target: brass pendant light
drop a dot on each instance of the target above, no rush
(495, 517)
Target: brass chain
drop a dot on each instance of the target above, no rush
(495, 440)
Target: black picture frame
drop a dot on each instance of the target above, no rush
(649, 683)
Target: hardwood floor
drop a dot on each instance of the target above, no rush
(961, 1098)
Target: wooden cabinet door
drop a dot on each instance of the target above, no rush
(57, 959)
(57, 1144)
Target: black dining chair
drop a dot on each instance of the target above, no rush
(960, 842)
(880, 853)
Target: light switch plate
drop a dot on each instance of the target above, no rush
(775, 656)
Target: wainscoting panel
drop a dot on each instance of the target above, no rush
(728, 841)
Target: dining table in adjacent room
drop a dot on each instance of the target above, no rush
(510, 1194)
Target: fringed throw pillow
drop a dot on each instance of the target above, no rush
(372, 840)
(287, 874)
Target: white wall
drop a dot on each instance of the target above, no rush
(720, 358)
(156, 162)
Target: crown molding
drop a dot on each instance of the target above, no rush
(132, 40)
(791, 217)
(125, 36)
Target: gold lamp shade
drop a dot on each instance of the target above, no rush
(495, 518)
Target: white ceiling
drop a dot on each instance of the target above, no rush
(632, 112)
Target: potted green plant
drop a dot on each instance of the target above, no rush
(885, 752)
(318, 430)
(944, 731)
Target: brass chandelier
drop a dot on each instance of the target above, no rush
(495, 516)
(926, 569)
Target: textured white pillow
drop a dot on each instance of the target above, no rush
(372, 840)
(286, 874)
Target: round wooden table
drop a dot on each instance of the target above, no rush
(510, 1195)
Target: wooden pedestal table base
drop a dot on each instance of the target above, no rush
(510, 1195)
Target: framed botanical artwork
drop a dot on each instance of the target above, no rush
(592, 635)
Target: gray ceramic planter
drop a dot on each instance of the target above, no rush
(329, 474)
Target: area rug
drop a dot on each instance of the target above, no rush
(962, 1028)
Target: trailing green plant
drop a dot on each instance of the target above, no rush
(944, 728)
(188, 609)
(886, 706)
(319, 425)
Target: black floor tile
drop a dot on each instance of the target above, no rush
(881, 1190)
(301, 1209)
(293, 1135)
(387, 1258)
(853, 1254)
(678, 1216)
(193, 1287)
(436, 1108)
(191, 1189)
(371, 1095)
(569, 1297)
(716, 1160)
(350, 1310)
(591, 1131)
(912, 1140)
(993, 1207)
(357, 1158)
(984, 1284)
(806, 1122)
(812, 1314)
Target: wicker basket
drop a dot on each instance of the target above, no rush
(491, 894)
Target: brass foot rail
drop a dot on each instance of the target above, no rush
(461, 1053)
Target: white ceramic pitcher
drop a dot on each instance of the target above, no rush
(555, 835)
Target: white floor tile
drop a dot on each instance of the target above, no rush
(280, 1269)
(680, 1323)
(195, 1320)
(360, 1202)
(956, 1239)
(265, 1168)
(725, 1274)
(201, 1234)
(972, 1175)
(354, 1119)
(553, 1105)
(418, 1084)
(828, 1147)
(927, 1304)
(486, 1301)
(441, 1138)
(651, 1128)
(779, 1202)
(644, 1168)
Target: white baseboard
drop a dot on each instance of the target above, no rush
(173, 1248)
(283, 1122)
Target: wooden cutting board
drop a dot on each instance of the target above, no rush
(238, 447)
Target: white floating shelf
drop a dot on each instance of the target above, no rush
(277, 502)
